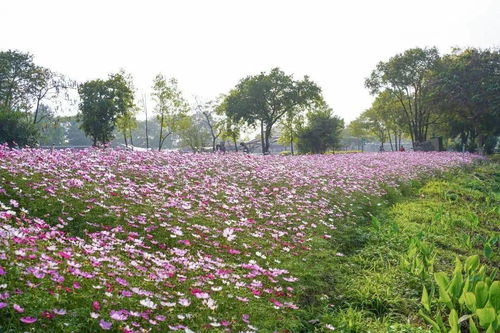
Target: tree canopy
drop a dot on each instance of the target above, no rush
(405, 76)
(102, 103)
(322, 132)
(265, 98)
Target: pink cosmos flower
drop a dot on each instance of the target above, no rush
(105, 325)
(184, 302)
(121, 281)
(118, 315)
(3, 305)
(2, 271)
(18, 308)
(96, 305)
(28, 320)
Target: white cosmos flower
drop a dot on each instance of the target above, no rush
(148, 303)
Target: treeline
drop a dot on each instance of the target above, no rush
(420, 94)
(272, 102)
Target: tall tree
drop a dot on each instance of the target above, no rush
(322, 132)
(466, 87)
(406, 76)
(50, 86)
(170, 106)
(102, 103)
(264, 99)
(18, 80)
(213, 118)
(193, 132)
(291, 124)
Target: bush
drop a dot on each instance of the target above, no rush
(16, 130)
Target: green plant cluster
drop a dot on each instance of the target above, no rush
(470, 296)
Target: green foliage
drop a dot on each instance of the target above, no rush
(18, 80)
(405, 76)
(466, 87)
(322, 132)
(193, 133)
(170, 107)
(16, 129)
(469, 292)
(102, 103)
(264, 99)
(419, 260)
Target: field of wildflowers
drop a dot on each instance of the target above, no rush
(126, 241)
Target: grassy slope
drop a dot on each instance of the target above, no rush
(369, 289)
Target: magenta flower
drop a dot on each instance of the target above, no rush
(96, 305)
(2, 271)
(28, 320)
(118, 315)
(3, 305)
(18, 308)
(105, 325)
(121, 281)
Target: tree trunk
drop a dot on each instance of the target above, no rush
(161, 133)
(262, 137)
(125, 137)
(390, 140)
(36, 110)
(235, 144)
(131, 139)
(291, 144)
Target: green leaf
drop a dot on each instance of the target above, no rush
(486, 316)
(435, 326)
(441, 279)
(444, 297)
(455, 286)
(458, 266)
(471, 263)
(490, 329)
(425, 300)
(488, 252)
(453, 320)
(495, 295)
(470, 301)
(481, 292)
(472, 326)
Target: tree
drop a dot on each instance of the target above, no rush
(18, 80)
(126, 123)
(291, 124)
(466, 86)
(192, 132)
(49, 86)
(170, 106)
(231, 131)
(213, 118)
(264, 99)
(102, 103)
(15, 129)
(322, 132)
(406, 76)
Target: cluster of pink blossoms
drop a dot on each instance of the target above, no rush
(135, 241)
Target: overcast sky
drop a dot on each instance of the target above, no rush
(209, 45)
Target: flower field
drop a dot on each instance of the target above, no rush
(126, 241)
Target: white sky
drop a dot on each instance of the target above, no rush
(209, 45)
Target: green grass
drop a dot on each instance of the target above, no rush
(370, 288)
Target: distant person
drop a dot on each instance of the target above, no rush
(222, 147)
(381, 149)
(402, 148)
(217, 147)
